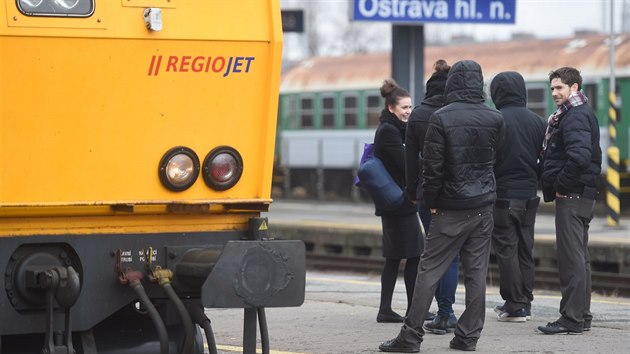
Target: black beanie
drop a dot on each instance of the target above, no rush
(436, 84)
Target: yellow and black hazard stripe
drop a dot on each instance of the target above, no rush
(613, 205)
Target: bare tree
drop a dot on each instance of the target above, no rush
(312, 25)
(359, 38)
(329, 31)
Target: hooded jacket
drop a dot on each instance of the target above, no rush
(417, 129)
(517, 169)
(461, 143)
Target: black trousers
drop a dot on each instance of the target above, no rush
(574, 263)
(469, 233)
(513, 243)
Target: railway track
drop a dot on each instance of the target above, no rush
(546, 278)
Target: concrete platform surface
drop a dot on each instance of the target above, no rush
(339, 316)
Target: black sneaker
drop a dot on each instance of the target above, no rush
(528, 311)
(397, 346)
(441, 325)
(587, 326)
(459, 344)
(518, 316)
(556, 328)
(407, 341)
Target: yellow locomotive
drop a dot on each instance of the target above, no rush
(136, 154)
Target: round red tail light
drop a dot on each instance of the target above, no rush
(222, 168)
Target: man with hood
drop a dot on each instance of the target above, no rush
(445, 320)
(460, 189)
(517, 174)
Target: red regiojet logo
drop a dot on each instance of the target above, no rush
(199, 64)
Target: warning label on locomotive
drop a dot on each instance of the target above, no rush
(220, 65)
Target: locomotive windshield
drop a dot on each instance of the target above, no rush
(56, 8)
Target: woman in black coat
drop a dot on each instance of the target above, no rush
(402, 238)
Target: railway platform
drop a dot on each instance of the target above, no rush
(348, 236)
(339, 317)
(343, 290)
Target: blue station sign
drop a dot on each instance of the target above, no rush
(452, 11)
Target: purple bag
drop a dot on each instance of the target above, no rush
(368, 151)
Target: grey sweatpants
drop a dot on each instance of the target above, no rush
(467, 232)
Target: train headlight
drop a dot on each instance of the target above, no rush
(179, 168)
(56, 8)
(222, 168)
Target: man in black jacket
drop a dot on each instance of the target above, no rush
(517, 175)
(460, 190)
(571, 168)
(445, 320)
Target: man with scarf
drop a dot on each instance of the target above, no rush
(572, 160)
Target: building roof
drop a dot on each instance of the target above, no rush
(533, 58)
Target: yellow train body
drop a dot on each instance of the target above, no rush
(111, 199)
(88, 106)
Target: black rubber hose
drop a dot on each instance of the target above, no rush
(212, 344)
(199, 317)
(189, 329)
(264, 332)
(160, 328)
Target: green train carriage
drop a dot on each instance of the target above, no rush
(329, 106)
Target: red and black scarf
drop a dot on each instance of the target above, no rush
(575, 99)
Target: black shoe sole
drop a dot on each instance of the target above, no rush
(465, 349)
(563, 332)
(457, 344)
(398, 350)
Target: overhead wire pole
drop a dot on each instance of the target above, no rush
(613, 205)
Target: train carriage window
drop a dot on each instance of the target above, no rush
(373, 109)
(306, 112)
(537, 99)
(56, 8)
(328, 107)
(350, 111)
(290, 105)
